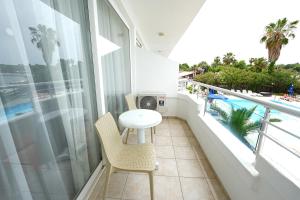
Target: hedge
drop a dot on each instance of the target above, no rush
(235, 78)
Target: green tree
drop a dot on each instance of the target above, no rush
(194, 68)
(229, 59)
(240, 64)
(258, 64)
(184, 67)
(275, 37)
(204, 66)
(45, 39)
(235, 78)
(216, 62)
(295, 67)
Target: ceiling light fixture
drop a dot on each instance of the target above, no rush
(160, 34)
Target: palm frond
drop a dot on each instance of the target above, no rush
(263, 39)
(294, 22)
(277, 35)
(252, 126)
(221, 112)
(240, 119)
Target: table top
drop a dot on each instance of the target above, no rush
(140, 118)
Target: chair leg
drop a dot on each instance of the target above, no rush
(126, 140)
(152, 135)
(109, 169)
(151, 185)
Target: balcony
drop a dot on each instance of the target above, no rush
(184, 171)
(64, 64)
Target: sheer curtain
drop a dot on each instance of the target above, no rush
(48, 144)
(116, 61)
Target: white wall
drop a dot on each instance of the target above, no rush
(240, 178)
(155, 73)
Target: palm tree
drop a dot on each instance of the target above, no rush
(45, 39)
(216, 62)
(277, 35)
(258, 64)
(203, 65)
(184, 67)
(239, 121)
(229, 59)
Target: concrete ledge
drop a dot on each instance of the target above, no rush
(231, 160)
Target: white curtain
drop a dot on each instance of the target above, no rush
(116, 64)
(48, 144)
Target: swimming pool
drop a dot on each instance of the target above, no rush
(13, 111)
(286, 104)
(259, 111)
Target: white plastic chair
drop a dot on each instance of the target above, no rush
(135, 158)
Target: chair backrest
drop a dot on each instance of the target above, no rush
(130, 102)
(110, 137)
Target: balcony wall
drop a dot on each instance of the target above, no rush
(157, 74)
(231, 160)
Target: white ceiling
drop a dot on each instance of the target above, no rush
(172, 17)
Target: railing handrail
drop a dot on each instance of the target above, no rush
(265, 120)
(268, 104)
(39, 83)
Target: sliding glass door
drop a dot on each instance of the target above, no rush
(48, 144)
(115, 58)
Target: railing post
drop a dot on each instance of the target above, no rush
(193, 87)
(262, 131)
(205, 103)
(186, 84)
(198, 89)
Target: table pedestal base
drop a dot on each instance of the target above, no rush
(141, 140)
(156, 165)
(141, 135)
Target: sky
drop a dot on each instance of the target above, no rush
(236, 26)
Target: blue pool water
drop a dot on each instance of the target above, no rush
(260, 110)
(16, 110)
(286, 104)
(241, 103)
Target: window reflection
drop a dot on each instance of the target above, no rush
(48, 144)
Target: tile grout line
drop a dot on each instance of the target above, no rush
(205, 176)
(202, 167)
(123, 191)
(177, 171)
(179, 178)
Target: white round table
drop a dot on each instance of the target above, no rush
(140, 119)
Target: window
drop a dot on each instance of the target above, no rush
(115, 58)
(48, 143)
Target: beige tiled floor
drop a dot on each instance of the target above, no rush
(184, 172)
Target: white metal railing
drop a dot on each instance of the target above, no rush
(196, 88)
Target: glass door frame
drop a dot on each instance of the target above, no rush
(96, 46)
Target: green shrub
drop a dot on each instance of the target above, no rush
(240, 64)
(235, 78)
